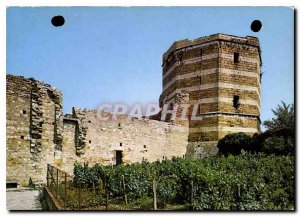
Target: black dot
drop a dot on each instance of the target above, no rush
(256, 26)
(58, 21)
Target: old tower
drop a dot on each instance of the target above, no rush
(221, 73)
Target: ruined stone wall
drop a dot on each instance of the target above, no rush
(34, 128)
(69, 156)
(138, 139)
(18, 156)
(38, 134)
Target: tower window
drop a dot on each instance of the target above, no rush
(119, 125)
(90, 141)
(236, 101)
(22, 137)
(167, 64)
(145, 146)
(24, 112)
(236, 57)
(180, 56)
(120, 144)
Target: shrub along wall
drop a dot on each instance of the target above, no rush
(244, 182)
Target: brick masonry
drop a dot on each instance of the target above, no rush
(200, 71)
(214, 70)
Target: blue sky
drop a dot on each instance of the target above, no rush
(114, 54)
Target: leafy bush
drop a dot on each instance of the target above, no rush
(245, 182)
(278, 145)
(234, 143)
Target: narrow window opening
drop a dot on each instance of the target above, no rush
(198, 110)
(24, 112)
(90, 141)
(121, 144)
(201, 137)
(22, 137)
(145, 146)
(167, 65)
(89, 121)
(236, 57)
(180, 56)
(236, 101)
(119, 125)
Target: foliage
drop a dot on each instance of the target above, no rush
(278, 145)
(284, 118)
(234, 143)
(245, 182)
(279, 139)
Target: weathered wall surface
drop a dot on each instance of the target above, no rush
(38, 134)
(68, 154)
(34, 128)
(18, 105)
(138, 139)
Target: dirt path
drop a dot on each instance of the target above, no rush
(22, 199)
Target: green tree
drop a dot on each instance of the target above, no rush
(284, 118)
(279, 139)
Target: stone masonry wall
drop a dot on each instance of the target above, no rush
(38, 134)
(34, 129)
(18, 105)
(138, 139)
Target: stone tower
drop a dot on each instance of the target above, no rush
(221, 73)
